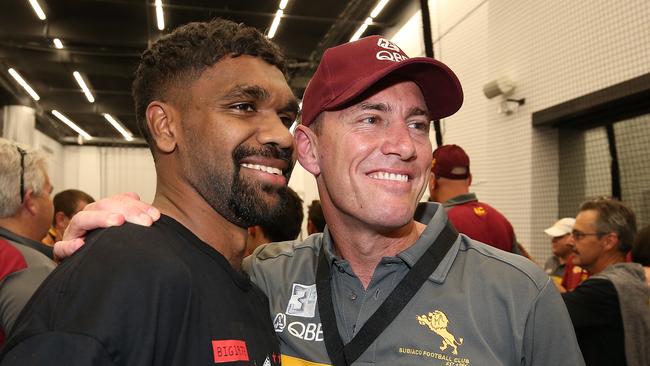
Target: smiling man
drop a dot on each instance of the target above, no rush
(213, 103)
(377, 287)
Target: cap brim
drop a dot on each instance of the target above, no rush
(555, 232)
(439, 85)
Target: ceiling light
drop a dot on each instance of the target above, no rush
(57, 43)
(37, 8)
(361, 29)
(283, 4)
(82, 85)
(160, 19)
(71, 124)
(24, 84)
(276, 22)
(378, 8)
(118, 126)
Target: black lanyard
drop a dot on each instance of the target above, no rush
(344, 355)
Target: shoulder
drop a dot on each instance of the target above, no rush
(134, 253)
(592, 289)
(276, 262)
(11, 259)
(502, 266)
(287, 250)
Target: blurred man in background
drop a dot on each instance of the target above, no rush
(66, 204)
(561, 247)
(610, 310)
(315, 218)
(25, 215)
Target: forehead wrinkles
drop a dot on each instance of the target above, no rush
(387, 108)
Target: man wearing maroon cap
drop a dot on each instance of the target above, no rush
(392, 290)
(365, 137)
(449, 184)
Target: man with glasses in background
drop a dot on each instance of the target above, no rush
(610, 310)
(25, 214)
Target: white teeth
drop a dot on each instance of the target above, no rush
(389, 176)
(263, 168)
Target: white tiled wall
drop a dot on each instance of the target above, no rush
(555, 51)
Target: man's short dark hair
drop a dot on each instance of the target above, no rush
(181, 56)
(641, 247)
(66, 202)
(315, 215)
(613, 216)
(287, 224)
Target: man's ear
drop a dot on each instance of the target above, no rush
(307, 147)
(251, 231)
(469, 181)
(432, 183)
(61, 221)
(612, 241)
(30, 202)
(163, 122)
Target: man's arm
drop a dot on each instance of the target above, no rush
(105, 305)
(58, 349)
(549, 338)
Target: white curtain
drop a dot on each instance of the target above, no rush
(19, 124)
(105, 171)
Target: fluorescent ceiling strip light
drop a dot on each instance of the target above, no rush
(127, 135)
(71, 124)
(378, 8)
(24, 84)
(82, 85)
(283, 4)
(160, 18)
(276, 22)
(57, 43)
(361, 29)
(37, 8)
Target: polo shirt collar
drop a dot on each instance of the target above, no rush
(410, 255)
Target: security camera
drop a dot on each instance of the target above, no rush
(502, 86)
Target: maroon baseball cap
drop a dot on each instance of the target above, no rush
(451, 162)
(348, 70)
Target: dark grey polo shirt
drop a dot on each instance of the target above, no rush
(482, 306)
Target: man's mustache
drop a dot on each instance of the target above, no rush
(267, 151)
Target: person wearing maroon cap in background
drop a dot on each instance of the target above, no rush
(449, 184)
(364, 135)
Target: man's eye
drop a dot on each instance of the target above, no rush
(287, 120)
(245, 107)
(370, 120)
(420, 125)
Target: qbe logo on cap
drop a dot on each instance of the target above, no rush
(391, 52)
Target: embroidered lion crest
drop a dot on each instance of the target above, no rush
(437, 322)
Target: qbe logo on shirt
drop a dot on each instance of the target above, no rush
(303, 301)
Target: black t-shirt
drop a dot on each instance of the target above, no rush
(596, 316)
(145, 296)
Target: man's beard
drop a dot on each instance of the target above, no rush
(239, 201)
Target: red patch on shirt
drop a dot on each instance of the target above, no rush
(230, 350)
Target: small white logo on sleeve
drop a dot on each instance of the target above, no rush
(303, 301)
(279, 322)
